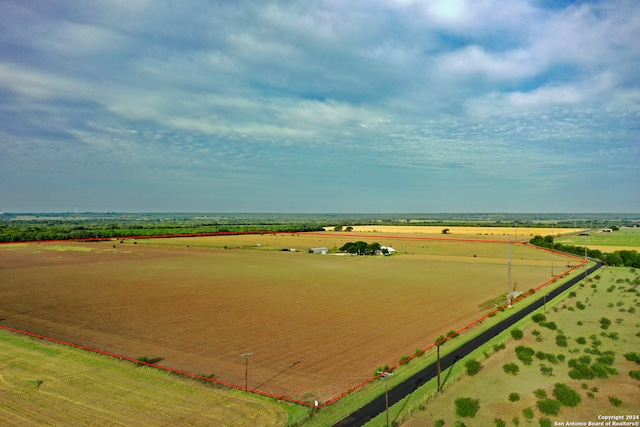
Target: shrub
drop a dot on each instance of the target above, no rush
(466, 407)
(539, 317)
(580, 371)
(525, 354)
(561, 341)
(615, 401)
(517, 334)
(581, 340)
(546, 370)
(540, 393)
(143, 360)
(580, 305)
(511, 368)
(599, 371)
(527, 413)
(549, 325)
(635, 375)
(439, 423)
(472, 367)
(404, 359)
(613, 335)
(545, 422)
(566, 395)
(632, 357)
(605, 323)
(500, 423)
(549, 406)
(498, 347)
(514, 397)
(606, 359)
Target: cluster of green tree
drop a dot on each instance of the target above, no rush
(617, 258)
(59, 230)
(362, 248)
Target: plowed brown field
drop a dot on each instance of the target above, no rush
(316, 324)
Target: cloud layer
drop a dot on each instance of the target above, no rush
(322, 106)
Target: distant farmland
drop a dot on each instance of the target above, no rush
(316, 324)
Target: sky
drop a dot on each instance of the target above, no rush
(333, 106)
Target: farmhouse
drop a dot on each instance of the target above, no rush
(322, 251)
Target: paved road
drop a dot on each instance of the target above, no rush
(399, 392)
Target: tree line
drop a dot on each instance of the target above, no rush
(56, 230)
(363, 248)
(625, 258)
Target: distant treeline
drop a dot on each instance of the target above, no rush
(617, 258)
(30, 231)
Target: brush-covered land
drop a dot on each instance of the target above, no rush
(572, 364)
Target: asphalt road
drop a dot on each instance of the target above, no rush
(402, 390)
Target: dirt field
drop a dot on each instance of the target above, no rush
(316, 324)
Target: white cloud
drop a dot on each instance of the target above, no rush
(474, 60)
(454, 87)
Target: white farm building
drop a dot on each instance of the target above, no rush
(322, 251)
(390, 250)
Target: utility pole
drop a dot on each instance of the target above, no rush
(439, 341)
(439, 388)
(385, 376)
(509, 273)
(246, 370)
(585, 256)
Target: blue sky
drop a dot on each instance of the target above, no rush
(320, 106)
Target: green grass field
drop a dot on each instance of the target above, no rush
(623, 238)
(578, 318)
(49, 384)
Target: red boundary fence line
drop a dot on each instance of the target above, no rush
(154, 365)
(285, 398)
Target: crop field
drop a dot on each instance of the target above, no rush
(48, 384)
(316, 325)
(516, 233)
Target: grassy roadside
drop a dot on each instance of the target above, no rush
(578, 317)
